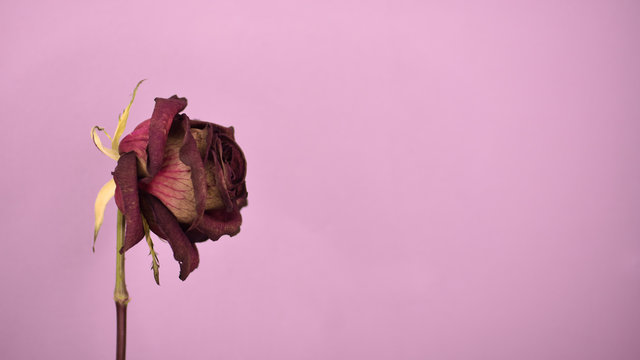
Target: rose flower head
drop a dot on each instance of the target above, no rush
(183, 178)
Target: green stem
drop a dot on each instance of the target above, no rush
(120, 294)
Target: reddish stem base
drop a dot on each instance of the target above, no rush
(121, 337)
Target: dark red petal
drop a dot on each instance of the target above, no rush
(217, 129)
(159, 126)
(216, 223)
(196, 236)
(218, 173)
(241, 196)
(136, 141)
(149, 215)
(190, 155)
(164, 224)
(126, 178)
(118, 198)
(235, 164)
(172, 183)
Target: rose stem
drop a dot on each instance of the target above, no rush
(120, 294)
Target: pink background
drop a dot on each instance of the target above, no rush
(427, 180)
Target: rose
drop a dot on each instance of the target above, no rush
(185, 177)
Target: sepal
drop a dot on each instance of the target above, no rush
(104, 195)
(155, 264)
(122, 121)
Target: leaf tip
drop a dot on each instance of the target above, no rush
(95, 237)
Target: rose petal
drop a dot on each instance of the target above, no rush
(213, 200)
(241, 196)
(215, 128)
(196, 236)
(159, 126)
(216, 223)
(137, 141)
(118, 198)
(165, 225)
(149, 217)
(190, 156)
(235, 164)
(218, 173)
(173, 184)
(126, 178)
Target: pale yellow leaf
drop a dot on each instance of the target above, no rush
(122, 121)
(104, 195)
(96, 140)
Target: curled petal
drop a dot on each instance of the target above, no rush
(241, 196)
(172, 184)
(159, 126)
(104, 195)
(218, 174)
(235, 165)
(137, 142)
(196, 236)
(229, 170)
(215, 128)
(126, 179)
(164, 224)
(190, 156)
(216, 223)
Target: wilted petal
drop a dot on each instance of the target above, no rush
(164, 224)
(241, 196)
(218, 174)
(126, 179)
(196, 236)
(172, 184)
(235, 165)
(216, 223)
(137, 142)
(205, 140)
(190, 156)
(215, 128)
(159, 126)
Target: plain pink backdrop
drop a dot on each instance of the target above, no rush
(427, 180)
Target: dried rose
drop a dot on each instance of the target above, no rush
(185, 178)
